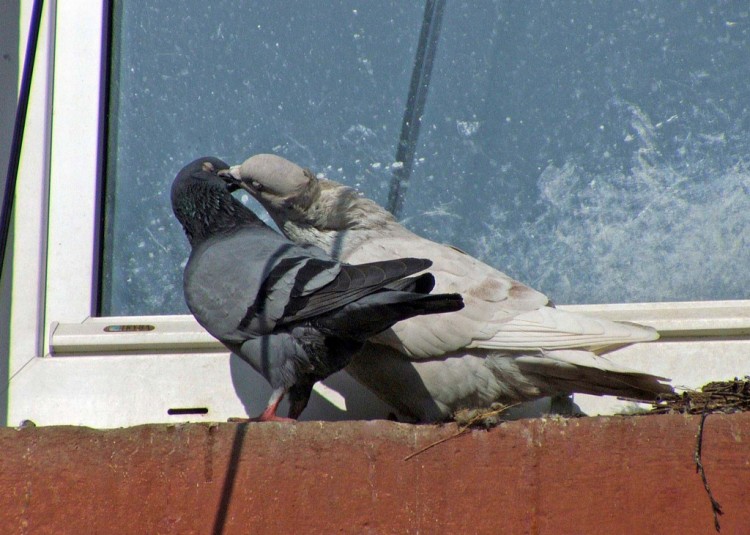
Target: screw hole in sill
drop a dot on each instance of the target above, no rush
(187, 410)
(128, 328)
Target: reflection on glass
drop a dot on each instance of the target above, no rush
(597, 152)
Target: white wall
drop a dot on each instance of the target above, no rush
(9, 14)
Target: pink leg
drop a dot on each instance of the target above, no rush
(269, 414)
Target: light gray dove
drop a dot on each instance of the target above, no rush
(290, 311)
(508, 344)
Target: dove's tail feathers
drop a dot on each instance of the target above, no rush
(568, 371)
(379, 311)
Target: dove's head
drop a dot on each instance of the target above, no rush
(201, 200)
(278, 184)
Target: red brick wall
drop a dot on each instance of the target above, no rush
(613, 475)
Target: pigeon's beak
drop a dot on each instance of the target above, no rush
(231, 178)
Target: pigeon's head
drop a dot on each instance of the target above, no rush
(278, 184)
(202, 202)
(198, 179)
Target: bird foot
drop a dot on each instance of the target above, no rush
(268, 415)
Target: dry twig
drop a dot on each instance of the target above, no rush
(476, 419)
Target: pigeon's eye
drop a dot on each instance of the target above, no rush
(257, 186)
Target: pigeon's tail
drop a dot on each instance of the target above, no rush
(568, 371)
(421, 284)
(379, 311)
(420, 304)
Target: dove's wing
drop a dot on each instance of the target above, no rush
(500, 313)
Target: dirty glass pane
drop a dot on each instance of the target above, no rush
(323, 83)
(598, 151)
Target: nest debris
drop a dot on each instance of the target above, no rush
(716, 396)
(483, 418)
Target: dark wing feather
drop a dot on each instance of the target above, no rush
(310, 274)
(352, 283)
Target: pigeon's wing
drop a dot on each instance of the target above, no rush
(500, 313)
(250, 282)
(351, 283)
(223, 278)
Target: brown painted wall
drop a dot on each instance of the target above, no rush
(591, 475)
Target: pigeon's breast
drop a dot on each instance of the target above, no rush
(222, 280)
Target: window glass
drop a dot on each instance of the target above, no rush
(323, 83)
(596, 151)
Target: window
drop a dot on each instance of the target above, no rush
(597, 153)
(585, 151)
(231, 79)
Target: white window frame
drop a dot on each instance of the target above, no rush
(66, 369)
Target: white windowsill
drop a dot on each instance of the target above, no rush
(174, 334)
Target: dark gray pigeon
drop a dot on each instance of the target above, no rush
(290, 311)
